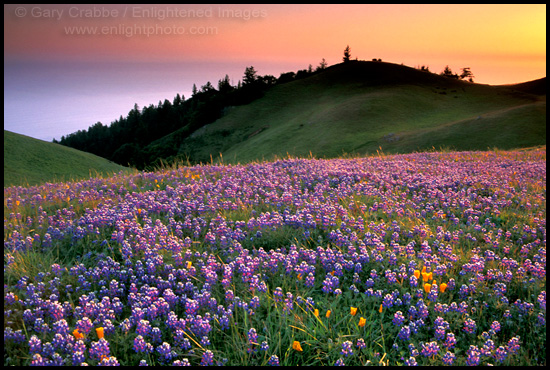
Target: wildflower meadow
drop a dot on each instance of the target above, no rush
(435, 258)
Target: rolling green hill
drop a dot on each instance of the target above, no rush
(360, 107)
(29, 161)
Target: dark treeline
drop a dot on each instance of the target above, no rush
(127, 141)
(131, 140)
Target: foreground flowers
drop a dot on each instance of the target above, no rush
(227, 264)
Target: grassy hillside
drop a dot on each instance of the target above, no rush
(29, 161)
(358, 107)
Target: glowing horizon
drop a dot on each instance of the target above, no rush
(500, 43)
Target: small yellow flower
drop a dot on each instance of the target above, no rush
(353, 311)
(188, 264)
(99, 332)
(17, 202)
(416, 274)
(296, 345)
(328, 313)
(427, 287)
(442, 287)
(316, 313)
(362, 321)
(381, 309)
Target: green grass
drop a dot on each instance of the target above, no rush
(361, 108)
(320, 337)
(29, 161)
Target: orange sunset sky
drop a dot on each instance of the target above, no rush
(500, 43)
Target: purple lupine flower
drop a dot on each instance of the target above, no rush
(35, 345)
(143, 328)
(429, 349)
(404, 333)
(252, 337)
(398, 318)
(84, 325)
(109, 361)
(141, 346)
(310, 280)
(469, 326)
(439, 333)
(165, 352)
(450, 341)
(500, 354)
(347, 348)
(388, 301)
(473, 356)
(156, 335)
(273, 360)
(207, 358)
(448, 358)
(289, 306)
(278, 294)
(99, 349)
(37, 360)
(513, 345)
(361, 343)
(411, 361)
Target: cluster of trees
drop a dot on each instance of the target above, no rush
(466, 73)
(126, 140)
(130, 140)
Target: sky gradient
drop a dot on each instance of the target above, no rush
(500, 43)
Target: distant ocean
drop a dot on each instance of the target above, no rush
(50, 100)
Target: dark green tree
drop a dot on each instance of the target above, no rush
(347, 54)
(467, 74)
(250, 75)
(448, 73)
(322, 65)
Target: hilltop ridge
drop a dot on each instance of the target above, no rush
(355, 107)
(359, 107)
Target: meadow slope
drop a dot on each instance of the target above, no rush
(432, 258)
(29, 161)
(360, 107)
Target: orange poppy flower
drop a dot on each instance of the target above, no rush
(381, 309)
(296, 345)
(77, 334)
(362, 322)
(99, 332)
(416, 274)
(424, 276)
(328, 313)
(316, 313)
(427, 287)
(442, 287)
(353, 311)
